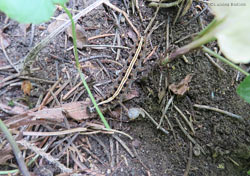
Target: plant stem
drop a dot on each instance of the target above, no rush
(16, 151)
(205, 49)
(209, 28)
(79, 69)
(185, 49)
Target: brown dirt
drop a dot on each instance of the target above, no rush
(225, 140)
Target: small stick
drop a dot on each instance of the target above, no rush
(150, 54)
(32, 34)
(164, 5)
(100, 36)
(112, 61)
(84, 59)
(152, 20)
(117, 151)
(214, 63)
(37, 79)
(185, 59)
(6, 55)
(165, 110)
(219, 110)
(94, 156)
(76, 161)
(65, 97)
(55, 98)
(105, 150)
(179, 12)
(124, 145)
(138, 9)
(101, 47)
(188, 136)
(171, 126)
(48, 95)
(196, 16)
(118, 38)
(47, 156)
(185, 118)
(167, 33)
(58, 91)
(186, 37)
(104, 68)
(112, 155)
(154, 122)
(124, 14)
(188, 166)
(70, 141)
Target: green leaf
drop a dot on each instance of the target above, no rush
(59, 1)
(243, 89)
(233, 33)
(29, 11)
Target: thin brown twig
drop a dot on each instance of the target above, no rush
(47, 156)
(36, 79)
(103, 146)
(125, 15)
(185, 118)
(219, 110)
(124, 145)
(100, 36)
(214, 63)
(149, 55)
(188, 166)
(152, 20)
(154, 122)
(138, 9)
(66, 96)
(188, 136)
(58, 91)
(6, 55)
(165, 110)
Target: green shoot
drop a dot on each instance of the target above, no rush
(80, 72)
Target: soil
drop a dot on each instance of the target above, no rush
(224, 139)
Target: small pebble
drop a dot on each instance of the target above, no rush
(196, 150)
(134, 113)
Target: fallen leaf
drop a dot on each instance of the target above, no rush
(58, 22)
(4, 41)
(74, 110)
(182, 87)
(77, 110)
(81, 38)
(26, 87)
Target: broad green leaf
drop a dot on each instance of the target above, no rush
(29, 11)
(59, 1)
(233, 33)
(243, 89)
